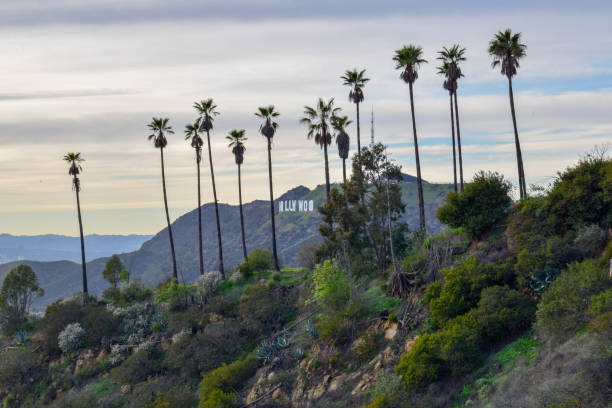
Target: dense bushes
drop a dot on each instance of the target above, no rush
(483, 203)
(136, 368)
(461, 290)
(259, 260)
(331, 287)
(217, 387)
(267, 308)
(17, 367)
(71, 339)
(563, 308)
(456, 348)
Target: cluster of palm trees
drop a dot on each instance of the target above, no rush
(324, 123)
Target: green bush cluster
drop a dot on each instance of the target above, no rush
(461, 288)
(258, 260)
(483, 203)
(136, 368)
(457, 347)
(564, 305)
(330, 286)
(267, 308)
(218, 386)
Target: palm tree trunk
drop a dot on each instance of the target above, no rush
(327, 188)
(198, 153)
(519, 156)
(459, 143)
(82, 239)
(358, 134)
(453, 138)
(418, 163)
(174, 272)
(244, 250)
(274, 253)
(212, 175)
(344, 171)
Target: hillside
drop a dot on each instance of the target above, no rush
(509, 308)
(152, 263)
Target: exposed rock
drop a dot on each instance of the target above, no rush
(409, 344)
(391, 332)
(125, 389)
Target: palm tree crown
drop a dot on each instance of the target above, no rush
(237, 138)
(268, 128)
(191, 132)
(206, 109)
(75, 161)
(506, 49)
(356, 80)
(409, 60)
(339, 123)
(450, 58)
(318, 119)
(160, 127)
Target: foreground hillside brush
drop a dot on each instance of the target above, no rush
(510, 308)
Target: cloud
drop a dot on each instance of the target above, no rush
(77, 93)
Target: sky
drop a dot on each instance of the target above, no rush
(88, 76)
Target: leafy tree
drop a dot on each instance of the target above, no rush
(319, 120)
(207, 111)
(506, 49)
(331, 288)
(483, 203)
(259, 260)
(237, 138)
(356, 80)
(339, 123)
(159, 129)
(75, 160)
(192, 132)
(268, 129)
(362, 214)
(451, 57)
(112, 271)
(19, 288)
(409, 59)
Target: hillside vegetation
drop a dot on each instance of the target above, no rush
(510, 306)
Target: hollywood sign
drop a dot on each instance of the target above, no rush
(296, 205)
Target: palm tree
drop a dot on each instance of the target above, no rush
(339, 123)
(408, 59)
(206, 109)
(191, 132)
(319, 120)
(356, 80)
(450, 69)
(74, 170)
(159, 128)
(237, 138)
(506, 49)
(268, 128)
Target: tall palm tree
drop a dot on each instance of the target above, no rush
(450, 69)
(191, 132)
(319, 120)
(237, 138)
(409, 59)
(339, 123)
(268, 129)
(160, 128)
(75, 160)
(356, 80)
(506, 49)
(206, 110)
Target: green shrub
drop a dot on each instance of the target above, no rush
(217, 387)
(136, 368)
(17, 367)
(422, 364)
(581, 195)
(175, 294)
(267, 308)
(461, 289)
(502, 313)
(601, 303)
(483, 203)
(590, 240)
(331, 287)
(258, 260)
(563, 308)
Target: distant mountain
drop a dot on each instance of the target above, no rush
(297, 222)
(60, 247)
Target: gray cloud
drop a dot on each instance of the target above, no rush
(77, 93)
